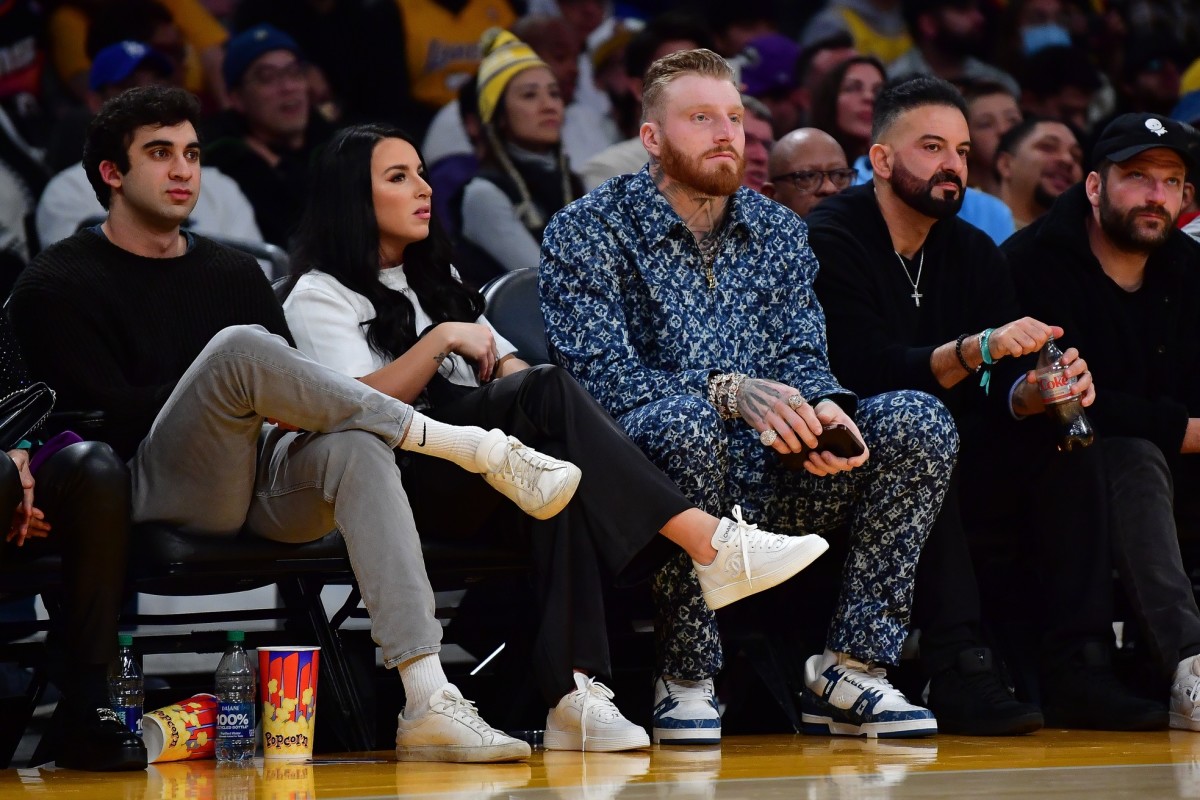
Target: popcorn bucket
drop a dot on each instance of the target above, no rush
(183, 731)
(288, 688)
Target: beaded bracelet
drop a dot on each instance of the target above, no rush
(958, 343)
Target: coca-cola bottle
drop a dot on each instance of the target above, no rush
(1064, 408)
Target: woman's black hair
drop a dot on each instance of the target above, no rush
(825, 103)
(339, 235)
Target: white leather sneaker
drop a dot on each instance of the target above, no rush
(452, 730)
(541, 486)
(749, 560)
(1185, 695)
(586, 719)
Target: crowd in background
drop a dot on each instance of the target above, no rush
(276, 79)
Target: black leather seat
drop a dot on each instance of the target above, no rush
(514, 309)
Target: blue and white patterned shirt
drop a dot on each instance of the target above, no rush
(630, 312)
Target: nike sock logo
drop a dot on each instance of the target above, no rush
(422, 442)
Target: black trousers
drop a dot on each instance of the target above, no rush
(1147, 497)
(609, 531)
(84, 491)
(1047, 512)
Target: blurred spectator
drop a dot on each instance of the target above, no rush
(273, 131)
(585, 131)
(806, 166)
(439, 48)
(68, 200)
(876, 27)
(1059, 83)
(946, 35)
(665, 34)
(21, 60)
(769, 75)
(116, 67)
(22, 178)
(845, 101)
(815, 62)
(1190, 81)
(591, 22)
(735, 24)
(453, 152)
(372, 85)
(182, 30)
(1036, 161)
(1150, 77)
(524, 177)
(1188, 110)
(992, 111)
(756, 123)
(607, 59)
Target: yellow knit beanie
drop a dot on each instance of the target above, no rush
(504, 55)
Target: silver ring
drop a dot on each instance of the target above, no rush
(768, 437)
(795, 401)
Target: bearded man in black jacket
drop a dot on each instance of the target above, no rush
(906, 285)
(1109, 264)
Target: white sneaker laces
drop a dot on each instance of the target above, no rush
(524, 469)
(743, 528)
(463, 710)
(679, 688)
(873, 672)
(595, 695)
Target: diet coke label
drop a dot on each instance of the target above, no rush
(1055, 386)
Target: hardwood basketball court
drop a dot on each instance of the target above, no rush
(1050, 763)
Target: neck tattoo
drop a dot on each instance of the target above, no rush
(916, 284)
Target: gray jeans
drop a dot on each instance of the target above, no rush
(210, 467)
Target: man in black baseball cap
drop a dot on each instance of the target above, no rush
(1108, 264)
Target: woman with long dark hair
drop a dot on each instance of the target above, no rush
(375, 296)
(844, 103)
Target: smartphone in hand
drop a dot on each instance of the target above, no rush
(837, 439)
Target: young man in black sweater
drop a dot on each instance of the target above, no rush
(1108, 262)
(904, 282)
(181, 343)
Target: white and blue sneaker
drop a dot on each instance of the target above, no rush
(852, 698)
(685, 712)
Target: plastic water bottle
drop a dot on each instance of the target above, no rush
(235, 702)
(126, 686)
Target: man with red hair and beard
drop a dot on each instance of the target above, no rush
(1108, 262)
(684, 304)
(918, 299)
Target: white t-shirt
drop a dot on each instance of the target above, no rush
(327, 319)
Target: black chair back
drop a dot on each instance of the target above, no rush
(514, 308)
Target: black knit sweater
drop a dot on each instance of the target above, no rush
(113, 331)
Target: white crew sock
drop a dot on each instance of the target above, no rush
(456, 443)
(421, 676)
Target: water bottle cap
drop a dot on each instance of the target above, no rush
(124, 640)
(235, 636)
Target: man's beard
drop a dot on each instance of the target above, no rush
(1042, 198)
(918, 194)
(1123, 229)
(719, 179)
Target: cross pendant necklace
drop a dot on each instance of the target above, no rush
(916, 284)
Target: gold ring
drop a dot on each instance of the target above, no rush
(768, 437)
